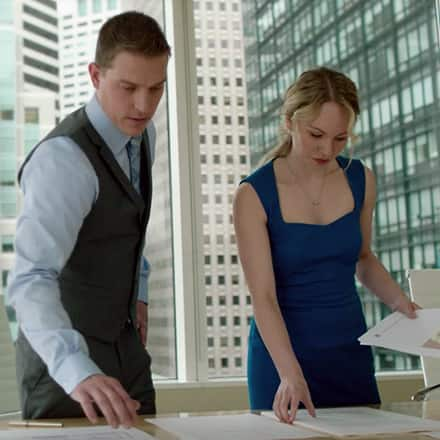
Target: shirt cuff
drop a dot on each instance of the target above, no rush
(73, 370)
(144, 274)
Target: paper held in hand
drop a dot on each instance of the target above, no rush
(419, 336)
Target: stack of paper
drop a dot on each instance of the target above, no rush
(416, 336)
(90, 433)
(332, 421)
(233, 427)
(361, 421)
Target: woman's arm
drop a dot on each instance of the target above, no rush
(255, 255)
(369, 270)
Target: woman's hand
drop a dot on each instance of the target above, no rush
(404, 305)
(291, 391)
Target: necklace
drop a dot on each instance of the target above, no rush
(315, 201)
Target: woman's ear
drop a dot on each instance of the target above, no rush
(288, 124)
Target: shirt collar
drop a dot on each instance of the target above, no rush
(113, 137)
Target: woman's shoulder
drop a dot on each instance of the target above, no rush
(260, 175)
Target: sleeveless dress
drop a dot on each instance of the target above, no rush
(314, 267)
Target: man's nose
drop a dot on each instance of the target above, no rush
(142, 103)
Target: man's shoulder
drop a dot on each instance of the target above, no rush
(70, 124)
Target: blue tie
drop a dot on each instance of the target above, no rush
(134, 156)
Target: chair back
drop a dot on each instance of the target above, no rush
(424, 287)
(8, 383)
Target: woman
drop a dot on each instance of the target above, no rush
(303, 225)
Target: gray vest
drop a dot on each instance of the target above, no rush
(99, 282)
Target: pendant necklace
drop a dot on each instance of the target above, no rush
(315, 201)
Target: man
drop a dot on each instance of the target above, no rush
(79, 282)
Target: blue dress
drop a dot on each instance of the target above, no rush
(314, 267)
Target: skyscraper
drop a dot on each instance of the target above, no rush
(224, 158)
(79, 24)
(390, 48)
(28, 104)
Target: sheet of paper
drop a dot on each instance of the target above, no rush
(361, 421)
(232, 427)
(416, 336)
(92, 433)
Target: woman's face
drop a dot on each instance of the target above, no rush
(319, 141)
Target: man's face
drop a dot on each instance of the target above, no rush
(130, 89)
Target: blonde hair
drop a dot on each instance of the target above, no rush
(304, 98)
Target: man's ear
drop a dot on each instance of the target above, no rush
(94, 73)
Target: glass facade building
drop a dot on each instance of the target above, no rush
(8, 203)
(8, 134)
(390, 48)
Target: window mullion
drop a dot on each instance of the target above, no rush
(186, 193)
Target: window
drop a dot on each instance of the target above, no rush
(97, 6)
(82, 8)
(6, 115)
(7, 243)
(31, 115)
(395, 64)
(5, 274)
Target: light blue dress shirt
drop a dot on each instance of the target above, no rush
(60, 187)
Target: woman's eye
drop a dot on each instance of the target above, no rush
(316, 135)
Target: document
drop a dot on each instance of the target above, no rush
(361, 421)
(91, 433)
(231, 427)
(420, 336)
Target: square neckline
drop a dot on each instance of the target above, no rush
(278, 204)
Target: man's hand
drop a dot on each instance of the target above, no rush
(142, 320)
(108, 395)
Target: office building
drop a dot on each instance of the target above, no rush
(79, 23)
(224, 159)
(28, 104)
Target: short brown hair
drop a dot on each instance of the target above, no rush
(130, 31)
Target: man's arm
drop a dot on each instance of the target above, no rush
(59, 187)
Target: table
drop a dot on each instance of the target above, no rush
(428, 409)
